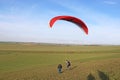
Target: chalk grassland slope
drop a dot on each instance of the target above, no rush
(93, 70)
(39, 62)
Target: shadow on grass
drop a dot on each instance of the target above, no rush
(70, 69)
(73, 67)
(103, 76)
(90, 77)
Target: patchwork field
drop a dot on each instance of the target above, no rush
(29, 61)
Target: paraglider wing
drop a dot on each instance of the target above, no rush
(72, 19)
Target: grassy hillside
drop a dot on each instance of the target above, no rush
(28, 61)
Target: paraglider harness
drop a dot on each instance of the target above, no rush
(68, 64)
(59, 68)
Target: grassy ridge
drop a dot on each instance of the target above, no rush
(38, 62)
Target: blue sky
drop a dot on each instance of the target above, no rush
(28, 21)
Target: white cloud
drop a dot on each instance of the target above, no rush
(6, 17)
(110, 2)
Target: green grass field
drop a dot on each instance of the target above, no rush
(28, 61)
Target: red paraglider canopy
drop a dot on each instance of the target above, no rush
(72, 19)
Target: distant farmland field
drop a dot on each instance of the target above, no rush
(29, 61)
